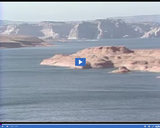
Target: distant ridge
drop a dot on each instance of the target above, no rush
(7, 22)
(135, 18)
(142, 26)
(139, 18)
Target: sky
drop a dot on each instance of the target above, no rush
(73, 11)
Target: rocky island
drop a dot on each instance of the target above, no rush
(16, 41)
(109, 57)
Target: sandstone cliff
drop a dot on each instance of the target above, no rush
(154, 33)
(43, 30)
(96, 29)
(84, 30)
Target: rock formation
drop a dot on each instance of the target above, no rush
(96, 29)
(43, 30)
(15, 41)
(84, 30)
(154, 33)
(122, 69)
(112, 56)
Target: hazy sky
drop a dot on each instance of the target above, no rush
(68, 11)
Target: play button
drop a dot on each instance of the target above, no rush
(80, 61)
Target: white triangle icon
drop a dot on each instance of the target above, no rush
(80, 61)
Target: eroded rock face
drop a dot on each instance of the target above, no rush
(84, 30)
(43, 30)
(96, 29)
(122, 69)
(103, 29)
(112, 56)
(111, 28)
(154, 33)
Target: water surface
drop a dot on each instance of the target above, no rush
(32, 92)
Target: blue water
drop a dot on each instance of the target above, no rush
(32, 92)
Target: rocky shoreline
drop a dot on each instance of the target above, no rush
(17, 41)
(110, 56)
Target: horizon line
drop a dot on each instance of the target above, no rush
(82, 19)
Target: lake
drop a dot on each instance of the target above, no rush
(30, 92)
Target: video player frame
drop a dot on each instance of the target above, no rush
(62, 66)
